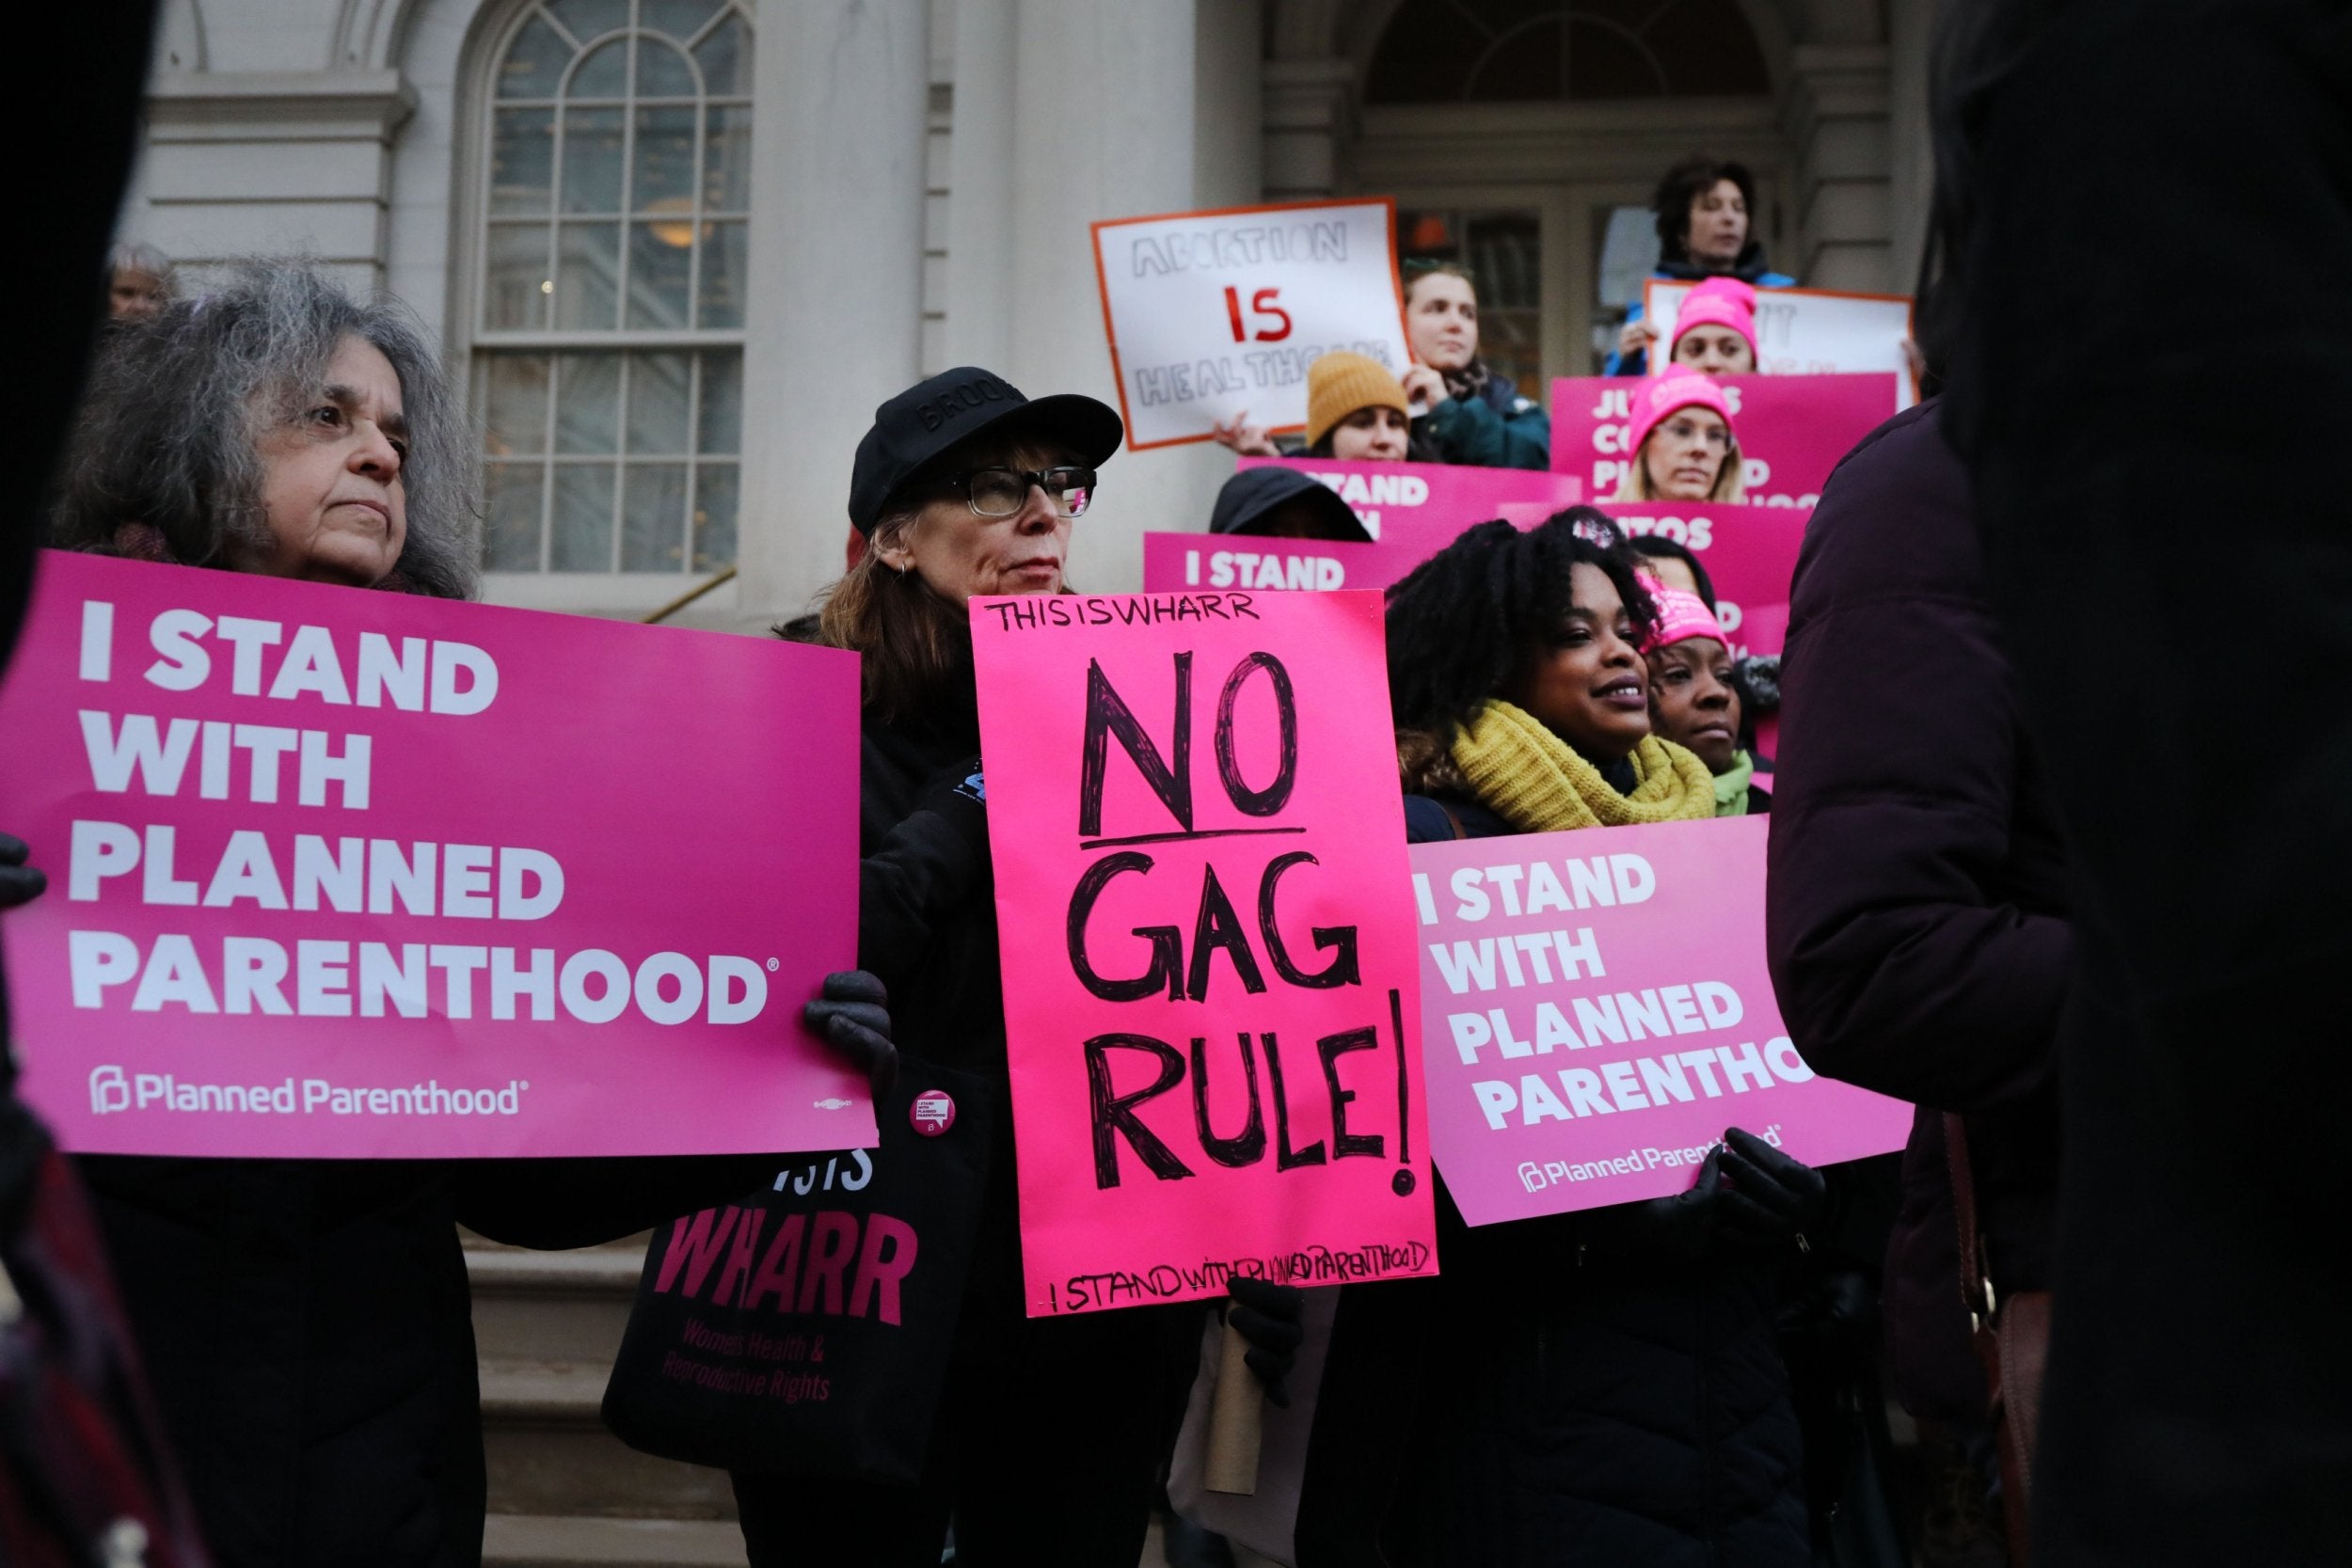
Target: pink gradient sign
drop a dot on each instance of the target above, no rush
(1211, 993)
(1792, 429)
(1177, 563)
(1750, 553)
(1422, 506)
(1597, 1012)
(352, 875)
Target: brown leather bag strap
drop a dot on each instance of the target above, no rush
(1975, 1283)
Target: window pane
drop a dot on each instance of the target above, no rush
(589, 19)
(662, 71)
(592, 160)
(534, 62)
(515, 408)
(726, 59)
(727, 160)
(680, 19)
(588, 402)
(658, 269)
(723, 280)
(514, 291)
(513, 491)
(1629, 250)
(723, 403)
(662, 180)
(604, 74)
(522, 160)
(587, 275)
(714, 517)
(653, 518)
(583, 518)
(657, 402)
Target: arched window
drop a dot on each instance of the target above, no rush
(1521, 51)
(608, 360)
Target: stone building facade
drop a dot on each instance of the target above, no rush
(679, 249)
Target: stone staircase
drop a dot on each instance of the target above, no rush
(565, 1493)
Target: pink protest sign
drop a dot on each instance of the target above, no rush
(1750, 553)
(1422, 506)
(1598, 1013)
(1792, 429)
(339, 874)
(1211, 994)
(1173, 562)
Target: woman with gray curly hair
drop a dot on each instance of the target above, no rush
(276, 425)
(306, 1322)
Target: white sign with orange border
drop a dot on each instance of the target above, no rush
(1217, 314)
(1805, 332)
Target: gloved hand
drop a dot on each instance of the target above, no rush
(1767, 1197)
(19, 883)
(1680, 1228)
(1267, 1315)
(852, 1013)
(961, 796)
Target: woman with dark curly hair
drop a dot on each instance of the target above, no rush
(1703, 209)
(1604, 1385)
(306, 1322)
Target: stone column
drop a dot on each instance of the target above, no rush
(834, 319)
(980, 186)
(1835, 111)
(1104, 127)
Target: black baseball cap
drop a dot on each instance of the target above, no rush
(1252, 493)
(952, 408)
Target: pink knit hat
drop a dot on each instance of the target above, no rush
(1718, 302)
(1681, 615)
(1661, 395)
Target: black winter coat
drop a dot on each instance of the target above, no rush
(308, 1330)
(1916, 915)
(1564, 1399)
(2199, 1403)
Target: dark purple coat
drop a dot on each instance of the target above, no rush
(1916, 914)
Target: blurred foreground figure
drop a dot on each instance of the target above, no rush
(2200, 1393)
(84, 1476)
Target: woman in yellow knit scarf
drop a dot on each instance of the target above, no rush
(1605, 1388)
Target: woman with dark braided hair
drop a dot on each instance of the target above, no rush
(1603, 1388)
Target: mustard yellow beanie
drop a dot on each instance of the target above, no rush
(1338, 383)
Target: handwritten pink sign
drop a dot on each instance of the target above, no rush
(1211, 994)
(1792, 429)
(340, 874)
(1423, 505)
(1598, 1012)
(1750, 553)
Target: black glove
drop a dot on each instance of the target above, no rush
(1267, 1315)
(1679, 1229)
(853, 1012)
(19, 883)
(961, 797)
(1767, 1197)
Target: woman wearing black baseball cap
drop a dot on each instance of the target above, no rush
(1045, 1443)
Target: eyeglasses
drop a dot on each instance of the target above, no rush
(1714, 435)
(1002, 492)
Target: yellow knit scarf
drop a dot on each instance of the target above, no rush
(1530, 776)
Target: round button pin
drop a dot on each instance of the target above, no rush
(933, 1113)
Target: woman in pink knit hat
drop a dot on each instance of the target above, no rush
(1715, 329)
(1681, 443)
(1693, 700)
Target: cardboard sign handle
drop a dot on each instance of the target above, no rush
(1235, 1412)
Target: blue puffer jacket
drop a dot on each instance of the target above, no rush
(1560, 1395)
(1749, 269)
(1494, 428)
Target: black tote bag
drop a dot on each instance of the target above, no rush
(806, 1329)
